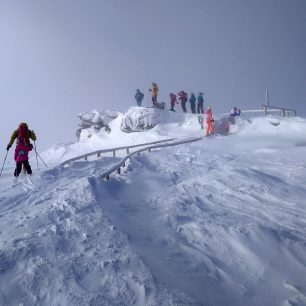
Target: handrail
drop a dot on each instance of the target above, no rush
(117, 167)
(98, 152)
(253, 112)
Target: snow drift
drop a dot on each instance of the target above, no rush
(217, 222)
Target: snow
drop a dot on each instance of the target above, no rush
(220, 221)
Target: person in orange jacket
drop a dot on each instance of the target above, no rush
(154, 91)
(209, 122)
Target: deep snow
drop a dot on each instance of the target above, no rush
(220, 221)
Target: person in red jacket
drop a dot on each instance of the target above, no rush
(172, 101)
(183, 98)
(209, 122)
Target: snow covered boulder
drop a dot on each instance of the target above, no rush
(139, 119)
(93, 122)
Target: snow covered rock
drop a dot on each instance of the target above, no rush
(93, 122)
(139, 119)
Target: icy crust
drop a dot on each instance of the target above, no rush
(138, 119)
(93, 122)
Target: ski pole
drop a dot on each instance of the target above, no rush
(36, 156)
(41, 159)
(4, 162)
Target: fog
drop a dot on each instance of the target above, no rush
(59, 58)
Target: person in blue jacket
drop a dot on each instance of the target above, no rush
(235, 112)
(192, 101)
(139, 97)
(200, 105)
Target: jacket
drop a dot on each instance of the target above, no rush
(154, 90)
(22, 152)
(192, 99)
(209, 117)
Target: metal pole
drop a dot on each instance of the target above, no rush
(267, 97)
(36, 156)
(4, 162)
(41, 159)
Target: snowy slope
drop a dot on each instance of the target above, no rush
(217, 222)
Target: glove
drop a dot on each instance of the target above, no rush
(31, 146)
(213, 121)
(8, 147)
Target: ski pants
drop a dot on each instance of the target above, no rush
(184, 107)
(154, 100)
(209, 128)
(26, 165)
(200, 108)
(193, 107)
(172, 106)
(138, 102)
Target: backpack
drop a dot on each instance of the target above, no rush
(23, 134)
(184, 96)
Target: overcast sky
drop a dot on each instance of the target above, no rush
(62, 57)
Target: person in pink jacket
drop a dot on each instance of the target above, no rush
(209, 122)
(22, 158)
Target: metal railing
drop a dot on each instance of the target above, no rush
(261, 113)
(113, 150)
(148, 147)
(117, 167)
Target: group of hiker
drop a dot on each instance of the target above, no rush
(196, 106)
(22, 135)
(196, 103)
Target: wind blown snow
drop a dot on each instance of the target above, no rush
(220, 221)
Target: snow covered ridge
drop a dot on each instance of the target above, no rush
(139, 125)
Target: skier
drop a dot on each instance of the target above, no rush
(139, 97)
(154, 91)
(200, 108)
(192, 101)
(23, 135)
(183, 98)
(209, 122)
(172, 101)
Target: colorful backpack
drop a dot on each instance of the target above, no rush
(23, 135)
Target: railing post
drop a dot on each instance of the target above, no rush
(127, 151)
(98, 155)
(283, 112)
(85, 158)
(265, 110)
(114, 153)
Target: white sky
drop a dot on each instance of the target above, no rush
(62, 57)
